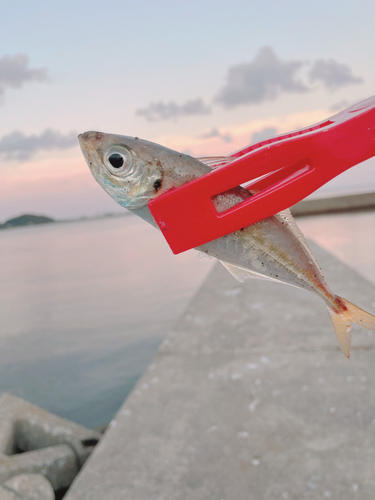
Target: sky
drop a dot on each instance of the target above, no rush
(201, 77)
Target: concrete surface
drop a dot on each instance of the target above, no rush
(33, 440)
(249, 398)
(337, 204)
(27, 487)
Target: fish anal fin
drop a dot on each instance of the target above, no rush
(237, 272)
(242, 274)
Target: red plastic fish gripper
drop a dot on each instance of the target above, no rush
(285, 169)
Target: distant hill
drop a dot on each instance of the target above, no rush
(26, 220)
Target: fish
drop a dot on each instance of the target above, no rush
(134, 171)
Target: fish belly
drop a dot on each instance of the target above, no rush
(272, 249)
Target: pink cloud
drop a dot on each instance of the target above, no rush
(204, 144)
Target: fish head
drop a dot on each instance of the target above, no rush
(134, 171)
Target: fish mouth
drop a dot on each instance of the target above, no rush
(90, 138)
(90, 143)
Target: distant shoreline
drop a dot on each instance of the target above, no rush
(318, 206)
(33, 220)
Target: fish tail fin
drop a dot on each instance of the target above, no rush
(342, 319)
(342, 326)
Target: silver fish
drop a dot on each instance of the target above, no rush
(134, 171)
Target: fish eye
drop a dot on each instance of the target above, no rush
(117, 159)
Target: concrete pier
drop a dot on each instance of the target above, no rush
(249, 398)
(338, 204)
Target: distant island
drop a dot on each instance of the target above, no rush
(31, 220)
(26, 220)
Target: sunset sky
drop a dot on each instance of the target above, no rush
(203, 77)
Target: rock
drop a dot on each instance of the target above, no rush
(27, 487)
(33, 441)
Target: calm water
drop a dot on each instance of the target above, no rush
(83, 307)
(350, 237)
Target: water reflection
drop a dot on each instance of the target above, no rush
(350, 237)
(84, 306)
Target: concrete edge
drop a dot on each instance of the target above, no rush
(338, 204)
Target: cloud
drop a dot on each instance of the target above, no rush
(215, 133)
(263, 79)
(263, 134)
(343, 104)
(15, 72)
(20, 147)
(239, 133)
(332, 74)
(339, 106)
(166, 111)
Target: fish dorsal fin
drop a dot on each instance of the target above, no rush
(286, 215)
(242, 274)
(216, 161)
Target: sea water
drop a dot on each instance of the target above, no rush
(83, 307)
